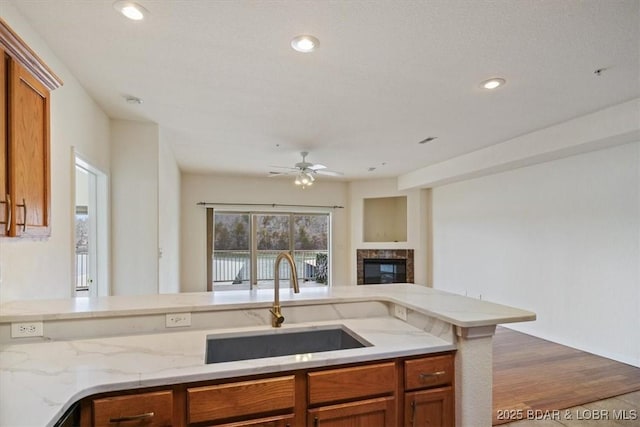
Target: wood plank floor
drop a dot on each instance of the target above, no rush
(531, 373)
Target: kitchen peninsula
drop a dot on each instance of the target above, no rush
(93, 346)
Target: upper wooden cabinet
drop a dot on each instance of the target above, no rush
(25, 177)
(5, 205)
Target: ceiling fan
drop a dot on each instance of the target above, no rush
(304, 171)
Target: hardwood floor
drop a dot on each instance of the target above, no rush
(531, 374)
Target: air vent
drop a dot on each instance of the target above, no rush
(429, 139)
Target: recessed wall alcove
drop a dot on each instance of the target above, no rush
(385, 219)
(395, 254)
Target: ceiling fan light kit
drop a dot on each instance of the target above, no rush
(305, 172)
(305, 179)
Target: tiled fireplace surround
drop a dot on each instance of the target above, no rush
(361, 254)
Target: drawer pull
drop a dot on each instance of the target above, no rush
(132, 418)
(431, 375)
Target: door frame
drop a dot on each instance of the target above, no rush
(100, 262)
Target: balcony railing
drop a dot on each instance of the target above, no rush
(82, 265)
(233, 267)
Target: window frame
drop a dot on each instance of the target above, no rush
(253, 250)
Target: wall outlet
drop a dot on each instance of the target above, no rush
(400, 312)
(27, 329)
(178, 320)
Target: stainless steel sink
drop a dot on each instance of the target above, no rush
(280, 342)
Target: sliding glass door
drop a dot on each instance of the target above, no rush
(246, 244)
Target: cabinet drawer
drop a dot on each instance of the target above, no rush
(278, 421)
(428, 372)
(351, 383)
(143, 409)
(223, 401)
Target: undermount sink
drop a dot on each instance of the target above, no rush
(278, 342)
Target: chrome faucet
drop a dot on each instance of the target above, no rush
(278, 318)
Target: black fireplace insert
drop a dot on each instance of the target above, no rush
(382, 270)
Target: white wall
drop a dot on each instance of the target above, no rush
(417, 215)
(168, 218)
(232, 189)
(560, 238)
(134, 207)
(43, 269)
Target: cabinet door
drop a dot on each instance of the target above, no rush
(28, 153)
(4, 189)
(429, 408)
(364, 413)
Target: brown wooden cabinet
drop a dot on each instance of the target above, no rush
(153, 409)
(277, 421)
(361, 413)
(25, 189)
(413, 391)
(353, 389)
(429, 396)
(247, 400)
(429, 408)
(5, 198)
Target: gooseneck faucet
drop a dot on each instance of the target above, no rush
(277, 317)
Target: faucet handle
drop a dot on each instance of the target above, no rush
(278, 318)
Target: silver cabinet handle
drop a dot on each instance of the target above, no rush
(132, 418)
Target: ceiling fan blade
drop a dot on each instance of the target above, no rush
(283, 167)
(317, 167)
(272, 174)
(329, 173)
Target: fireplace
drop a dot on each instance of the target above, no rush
(384, 266)
(382, 270)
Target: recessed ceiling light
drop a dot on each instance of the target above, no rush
(131, 10)
(493, 83)
(305, 43)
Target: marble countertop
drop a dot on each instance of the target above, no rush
(455, 309)
(39, 381)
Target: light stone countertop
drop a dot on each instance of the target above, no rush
(455, 309)
(39, 381)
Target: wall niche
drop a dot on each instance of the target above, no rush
(385, 219)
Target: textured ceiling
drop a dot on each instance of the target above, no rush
(228, 92)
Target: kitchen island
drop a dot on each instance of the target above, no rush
(108, 344)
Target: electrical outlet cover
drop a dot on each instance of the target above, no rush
(400, 312)
(27, 329)
(177, 320)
